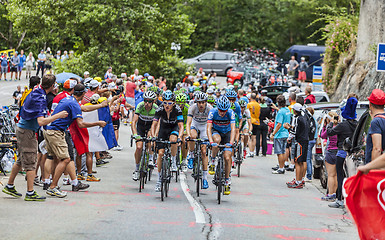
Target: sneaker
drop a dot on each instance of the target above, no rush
(34, 197)
(250, 155)
(80, 186)
(151, 163)
(190, 164)
(307, 179)
(227, 190)
(291, 182)
(56, 192)
(174, 168)
(118, 148)
(81, 177)
(92, 178)
(275, 168)
(46, 186)
(184, 167)
(135, 175)
(66, 181)
(212, 169)
(244, 153)
(205, 184)
(290, 169)
(157, 187)
(278, 171)
(329, 197)
(101, 162)
(337, 204)
(11, 191)
(106, 155)
(38, 182)
(295, 185)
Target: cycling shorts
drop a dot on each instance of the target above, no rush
(164, 134)
(142, 130)
(225, 138)
(201, 130)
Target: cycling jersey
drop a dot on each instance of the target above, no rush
(176, 116)
(145, 117)
(197, 116)
(185, 111)
(238, 110)
(221, 124)
(246, 115)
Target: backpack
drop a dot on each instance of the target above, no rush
(312, 125)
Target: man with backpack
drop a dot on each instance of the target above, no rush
(375, 143)
(309, 112)
(300, 129)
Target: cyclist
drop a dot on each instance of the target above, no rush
(221, 130)
(211, 101)
(170, 118)
(196, 127)
(181, 99)
(246, 126)
(191, 93)
(141, 125)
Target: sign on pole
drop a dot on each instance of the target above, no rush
(317, 76)
(380, 60)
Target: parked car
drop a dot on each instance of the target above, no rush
(274, 91)
(320, 96)
(219, 62)
(235, 75)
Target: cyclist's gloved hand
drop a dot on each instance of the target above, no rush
(214, 144)
(187, 138)
(178, 140)
(154, 139)
(229, 145)
(137, 137)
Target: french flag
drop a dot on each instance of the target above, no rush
(94, 139)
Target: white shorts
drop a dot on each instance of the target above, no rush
(130, 101)
(201, 129)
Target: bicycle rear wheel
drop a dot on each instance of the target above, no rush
(163, 193)
(239, 160)
(219, 181)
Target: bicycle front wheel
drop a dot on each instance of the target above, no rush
(198, 175)
(219, 180)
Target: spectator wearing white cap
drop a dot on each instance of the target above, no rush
(86, 74)
(93, 88)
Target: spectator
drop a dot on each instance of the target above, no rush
(330, 156)
(41, 58)
(309, 112)
(31, 118)
(86, 75)
(58, 55)
(343, 130)
(302, 70)
(265, 114)
(17, 94)
(108, 74)
(29, 65)
(293, 64)
(280, 134)
(301, 132)
(33, 81)
(375, 142)
(48, 62)
(292, 97)
(22, 59)
(64, 56)
(4, 65)
(212, 78)
(14, 65)
(162, 84)
(255, 110)
(200, 74)
(310, 98)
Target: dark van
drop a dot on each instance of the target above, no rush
(312, 53)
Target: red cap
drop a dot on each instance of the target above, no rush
(69, 84)
(377, 97)
(200, 69)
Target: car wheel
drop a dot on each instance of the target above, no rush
(227, 69)
(323, 176)
(316, 172)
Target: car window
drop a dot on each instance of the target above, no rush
(207, 56)
(220, 56)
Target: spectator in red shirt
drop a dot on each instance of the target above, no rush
(130, 95)
(117, 107)
(310, 98)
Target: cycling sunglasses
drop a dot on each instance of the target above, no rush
(148, 100)
(222, 111)
(231, 99)
(168, 103)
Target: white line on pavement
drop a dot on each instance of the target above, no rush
(199, 216)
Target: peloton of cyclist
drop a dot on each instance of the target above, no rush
(197, 128)
(141, 125)
(170, 118)
(221, 130)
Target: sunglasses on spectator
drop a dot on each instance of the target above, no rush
(148, 100)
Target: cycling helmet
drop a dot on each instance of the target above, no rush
(196, 94)
(223, 103)
(191, 89)
(197, 89)
(94, 98)
(242, 103)
(187, 73)
(149, 95)
(214, 83)
(210, 99)
(98, 79)
(204, 78)
(201, 96)
(146, 75)
(231, 94)
(183, 90)
(196, 84)
(168, 96)
(210, 90)
(154, 89)
(236, 84)
(232, 107)
(181, 98)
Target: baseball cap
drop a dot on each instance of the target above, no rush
(69, 84)
(297, 107)
(86, 73)
(377, 97)
(94, 83)
(123, 75)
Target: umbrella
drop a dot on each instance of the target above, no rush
(62, 77)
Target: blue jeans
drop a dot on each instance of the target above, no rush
(309, 163)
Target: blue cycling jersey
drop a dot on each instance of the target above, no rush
(221, 124)
(238, 110)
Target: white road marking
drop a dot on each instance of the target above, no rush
(198, 211)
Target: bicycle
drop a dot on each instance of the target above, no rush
(197, 169)
(219, 177)
(238, 154)
(166, 171)
(144, 169)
